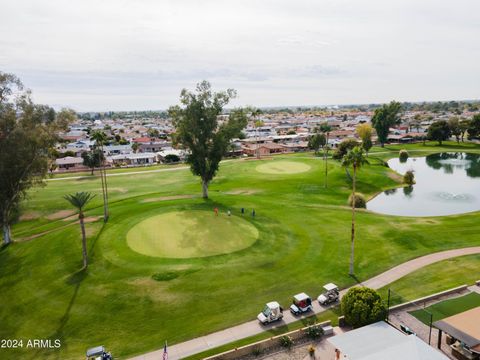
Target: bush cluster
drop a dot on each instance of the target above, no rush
(362, 306)
(314, 331)
(165, 276)
(286, 341)
(403, 155)
(409, 178)
(360, 202)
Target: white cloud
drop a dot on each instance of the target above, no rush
(112, 54)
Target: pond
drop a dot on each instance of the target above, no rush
(446, 184)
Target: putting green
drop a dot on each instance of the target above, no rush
(283, 167)
(187, 234)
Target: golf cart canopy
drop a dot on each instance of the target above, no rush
(98, 350)
(301, 297)
(330, 287)
(273, 305)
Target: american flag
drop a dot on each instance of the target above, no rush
(165, 353)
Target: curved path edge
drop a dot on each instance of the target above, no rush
(219, 338)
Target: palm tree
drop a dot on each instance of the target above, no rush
(135, 147)
(325, 128)
(80, 200)
(354, 158)
(326, 148)
(100, 138)
(255, 113)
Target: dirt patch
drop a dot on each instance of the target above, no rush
(426, 221)
(60, 214)
(31, 215)
(90, 231)
(242, 192)
(118, 189)
(71, 218)
(395, 177)
(407, 225)
(166, 198)
(90, 219)
(156, 291)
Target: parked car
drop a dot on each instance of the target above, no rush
(407, 330)
(271, 312)
(301, 304)
(330, 295)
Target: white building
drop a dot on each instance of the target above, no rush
(134, 159)
(381, 341)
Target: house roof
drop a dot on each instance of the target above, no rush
(166, 152)
(341, 133)
(265, 146)
(463, 326)
(380, 341)
(134, 156)
(69, 160)
(142, 140)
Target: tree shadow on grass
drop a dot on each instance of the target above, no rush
(75, 280)
(357, 280)
(4, 246)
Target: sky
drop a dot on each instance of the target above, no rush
(99, 55)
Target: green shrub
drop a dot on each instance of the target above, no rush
(256, 351)
(165, 276)
(409, 178)
(403, 155)
(362, 306)
(286, 341)
(171, 158)
(360, 202)
(314, 331)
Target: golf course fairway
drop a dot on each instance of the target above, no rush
(283, 167)
(188, 234)
(165, 268)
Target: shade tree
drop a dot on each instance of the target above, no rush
(198, 129)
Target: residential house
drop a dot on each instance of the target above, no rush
(70, 163)
(133, 159)
(117, 149)
(263, 149)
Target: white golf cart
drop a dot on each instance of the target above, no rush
(98, 353)
(330, 295)
(301, 304)
(271, 312)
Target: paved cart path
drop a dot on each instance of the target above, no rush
(253, 327)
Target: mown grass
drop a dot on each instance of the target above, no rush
(331, 315)
(434, 278)
(447, 308)
(431, 279)
(303, 243)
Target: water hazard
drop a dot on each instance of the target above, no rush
(446, 184)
